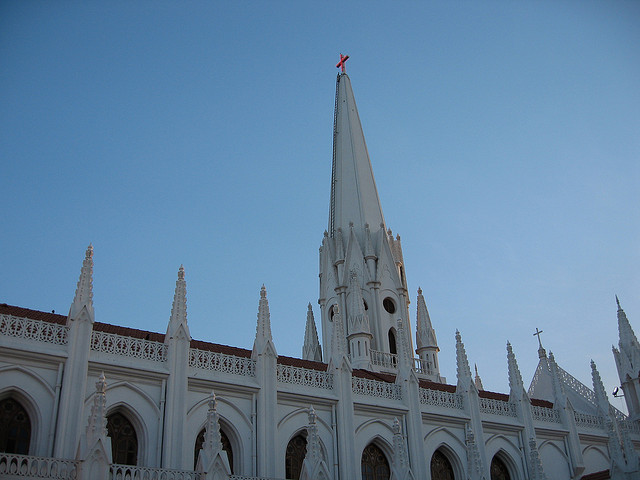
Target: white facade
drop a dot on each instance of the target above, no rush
(371, 390)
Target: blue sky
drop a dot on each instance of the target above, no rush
(504, 136)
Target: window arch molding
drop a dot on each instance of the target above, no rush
(36, 397)
(453, 458)
(383, 446)
(507, 451)
(508, 463)
(20, 409)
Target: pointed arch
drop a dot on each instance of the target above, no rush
(441, 467)
(124, 439)
(507, 451)
(15, 427)
(503, 467)
(373, 421)
(374, 463)
(295, 453)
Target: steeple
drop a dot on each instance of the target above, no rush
(627, 357)
(462, 363)
(516, 386)
(311, 349)
(179, 308)
(426, 340)
(83, 300)
(354, 196)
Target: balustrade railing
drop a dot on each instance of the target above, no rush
(588, 421)
(34, 330)
(131, 472)
(384, 359)
(423, 366)
(439, 398)
(128, 346)
(545, 414)
(376, 388)
(497, 407)
(222, 362)
(305, 376)
(27, 466)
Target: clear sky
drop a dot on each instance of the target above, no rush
(504, 136)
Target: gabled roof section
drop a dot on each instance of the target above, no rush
(354, 196)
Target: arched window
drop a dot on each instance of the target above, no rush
(226, 446)
(124, 441)
(296, 451)
(392, 342)
(15, 427)
(499, 470)
(441, 468)
(374, 464)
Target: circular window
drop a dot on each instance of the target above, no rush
(389, 305)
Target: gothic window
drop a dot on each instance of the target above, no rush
(441, 468)
(499, 470)
(226, 446)
(392, 342)
(374, 464)
(296, 451)
(124, 442)
(15, 427)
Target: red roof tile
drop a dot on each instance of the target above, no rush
(603, 475)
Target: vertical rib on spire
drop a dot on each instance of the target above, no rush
(84, 292)
(515, 379)
(425, 334)
(462, 363)
(179, 307)
(311, 349)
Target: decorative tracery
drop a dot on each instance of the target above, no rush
(124, 441)
(374, 464)
(441, 468)
(15, 427)
(294, 457)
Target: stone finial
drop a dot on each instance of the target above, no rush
(83, 299)
(537, 473)
(627, 337)
(558, 388)
(311, 349)
(97, 425)
(212, 438)
(179, 308)
(462, 363)
(314, 450)
(477, 380)
(263, 328)
(400, 457)
(425, 334)
(515, 378)
(474, 460)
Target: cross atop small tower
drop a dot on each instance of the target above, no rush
(537, 334)
(541, 351)
(343, 60)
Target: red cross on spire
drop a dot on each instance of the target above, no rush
(343, 60)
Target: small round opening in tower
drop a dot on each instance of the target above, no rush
(389, 305)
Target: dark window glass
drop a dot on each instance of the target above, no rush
(374, 464)
(15, 427)
(124, 442)
(499, 470)
(389, 305)
(296, 451)
(441, 468)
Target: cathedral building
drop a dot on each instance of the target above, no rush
(89, 400)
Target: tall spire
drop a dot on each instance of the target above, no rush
(602, 400)
(311, 349)
(477, 380)
(351, 168)
(179, 307)
(83, 299)
(425, 334)
(627, 336)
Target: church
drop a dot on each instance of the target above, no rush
(80, 399)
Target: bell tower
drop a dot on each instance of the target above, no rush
(361, 266)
